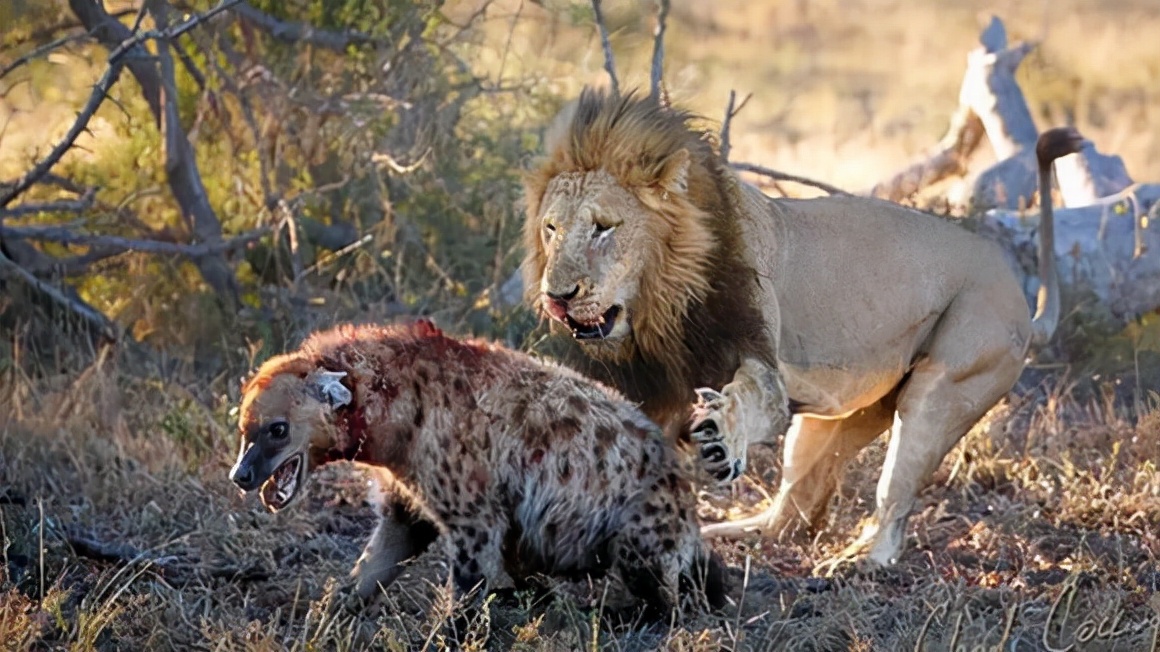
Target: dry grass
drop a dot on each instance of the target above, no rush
(1043, 520)
(1039, 531)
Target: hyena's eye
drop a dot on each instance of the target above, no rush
(279, 430)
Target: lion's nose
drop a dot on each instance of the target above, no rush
(564, 296)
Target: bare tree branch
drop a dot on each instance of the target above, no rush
(948, 158)
(87, 313)
(79, 265)
(730, 113)
(41, 51)
(40, 169)
(59, 26)
(656, 77)
(609, 62)
(64, 183)
(159, 89)
(190, 66)
(303, 32)
(782, 176)
(64, 206)
(230, 85)
(120, 48)
(117, 244)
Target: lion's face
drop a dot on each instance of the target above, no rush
(590, 230)
(619, 236)
(286, 423)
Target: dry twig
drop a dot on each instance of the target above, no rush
(656, 77)
(84, 203)
(117, 60)
(100, 90)
(730, 113)
(302, 32)
(609, 62)
(40, 51)
(783, 176)
(65, 235)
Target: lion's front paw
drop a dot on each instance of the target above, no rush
(721, 456)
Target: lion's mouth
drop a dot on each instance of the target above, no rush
(600, 328)
(283, 485)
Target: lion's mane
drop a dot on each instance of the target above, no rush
(696, 315)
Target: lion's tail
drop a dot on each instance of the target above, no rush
(1052, 144)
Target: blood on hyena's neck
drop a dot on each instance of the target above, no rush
(399, 377)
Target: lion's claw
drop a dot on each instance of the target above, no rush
(706, 430)
(706, 433)
(714, 453)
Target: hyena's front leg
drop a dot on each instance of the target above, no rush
(402, 534)
(753, 408)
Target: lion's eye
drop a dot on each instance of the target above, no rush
(601, 228)
(279, 430)
(549, 228)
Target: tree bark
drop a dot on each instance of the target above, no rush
(158, 87)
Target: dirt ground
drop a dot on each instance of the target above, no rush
(1038, 533)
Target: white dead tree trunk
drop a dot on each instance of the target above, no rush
(992, 104)
(1110, 248)
(1106, 241)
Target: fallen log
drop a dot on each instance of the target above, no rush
(1110, 248)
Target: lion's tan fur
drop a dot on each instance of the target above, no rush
(866, 308)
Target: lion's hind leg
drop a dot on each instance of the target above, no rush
(947, 393)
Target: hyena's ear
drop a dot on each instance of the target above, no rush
(326, 387)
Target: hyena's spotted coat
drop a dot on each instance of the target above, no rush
(521, 466)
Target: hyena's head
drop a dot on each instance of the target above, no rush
(287, 425)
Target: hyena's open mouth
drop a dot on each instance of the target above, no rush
(283, 485)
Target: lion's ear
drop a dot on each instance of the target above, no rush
(674, 173)
(326, 387)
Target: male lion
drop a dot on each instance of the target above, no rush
(677, 280)
(521, 466)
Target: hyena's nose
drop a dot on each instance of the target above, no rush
(243, 477)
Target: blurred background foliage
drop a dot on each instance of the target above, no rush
(395, 164)
(384, 150)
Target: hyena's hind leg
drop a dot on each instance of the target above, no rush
(475, 550)
(402, 534)
(653, 578)
(660, 555)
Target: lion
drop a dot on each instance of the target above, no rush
(519, 466)
(734, 318)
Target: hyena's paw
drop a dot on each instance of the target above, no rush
(371, 574)
(722, 453)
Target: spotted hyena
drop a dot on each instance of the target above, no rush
(518, 466)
